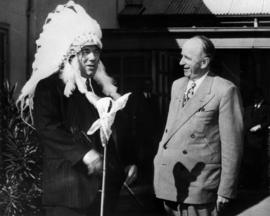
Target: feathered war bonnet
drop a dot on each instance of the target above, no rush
(65, 32)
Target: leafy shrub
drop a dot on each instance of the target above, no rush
(20, 160)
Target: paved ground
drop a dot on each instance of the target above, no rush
(260, 209)
(249, 203)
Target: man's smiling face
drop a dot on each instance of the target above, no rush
(192, 57)
(88, 59)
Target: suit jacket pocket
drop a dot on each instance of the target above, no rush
(204, 152)
(165, 157)
(203, 119)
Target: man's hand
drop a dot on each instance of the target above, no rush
(93, 161)
(222, 202)
(255, 128)
(132, 173)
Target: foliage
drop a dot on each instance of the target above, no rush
(20, 173)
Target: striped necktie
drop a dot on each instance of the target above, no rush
(189, 93)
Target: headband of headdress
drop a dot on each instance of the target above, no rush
(65, 32)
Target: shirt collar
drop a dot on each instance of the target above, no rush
(197, 82)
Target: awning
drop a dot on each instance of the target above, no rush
(237, 43)
(173, 38)
(215, 7)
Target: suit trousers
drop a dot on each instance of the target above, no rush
(111, 199)
(183, 209)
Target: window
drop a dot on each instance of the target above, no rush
(129, 69)
(3, 52)
(3, 70)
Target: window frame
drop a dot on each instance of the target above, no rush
(4, 62)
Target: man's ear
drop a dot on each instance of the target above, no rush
(205, 62)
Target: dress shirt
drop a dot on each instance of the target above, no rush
(197, 82)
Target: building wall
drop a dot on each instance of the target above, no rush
(104, 11)
(13, 12)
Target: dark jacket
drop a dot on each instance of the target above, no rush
(256, 116)
(61, 124)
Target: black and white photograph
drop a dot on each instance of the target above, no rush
(135, 107)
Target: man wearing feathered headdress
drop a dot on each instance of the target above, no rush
(63, 92)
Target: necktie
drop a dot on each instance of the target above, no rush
(189, 93)
(88, 85)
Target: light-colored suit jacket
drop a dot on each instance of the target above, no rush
(200, 151)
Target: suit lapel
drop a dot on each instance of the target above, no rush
(179, 94)
(202, 96)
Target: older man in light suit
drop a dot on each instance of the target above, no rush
(197, 164)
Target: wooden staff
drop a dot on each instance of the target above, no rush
(106, 106)
(103, 181)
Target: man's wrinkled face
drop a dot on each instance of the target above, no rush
(88, 59)
(192, 57)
